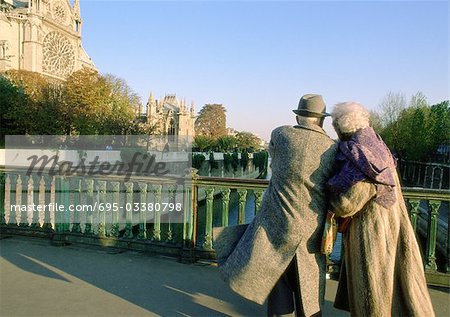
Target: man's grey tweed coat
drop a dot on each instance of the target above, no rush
(290, 222)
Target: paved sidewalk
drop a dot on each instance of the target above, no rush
(37, 279)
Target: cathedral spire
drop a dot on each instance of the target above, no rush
(192, 108)
(151, 99)
(151, 105)
(183, 105)
(76, 10)
(76, 17)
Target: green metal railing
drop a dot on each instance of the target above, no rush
(206, 202)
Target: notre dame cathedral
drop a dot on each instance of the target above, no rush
(171, 116)
(42, 36)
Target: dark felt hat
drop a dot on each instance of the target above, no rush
(311, 105)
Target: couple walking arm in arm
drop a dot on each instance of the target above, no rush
(277, 259)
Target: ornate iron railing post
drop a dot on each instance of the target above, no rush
(76, 226)
(115, 187)
(22, 190)
(432, 233)
(447, 270)
(225, 205)
(2, 197)
(47, 182)
(157, 189)
(242, 200)
(187, 212)
(142, 211)
(207, 245)
(58, 201)
(414, 212)
(89, 202)
(258, 199)
(13, 200)
(172, 200)
(65, 202)
(129, 211)
(193, 212)
(33, 196)
(101, 230)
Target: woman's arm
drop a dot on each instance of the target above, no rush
(349, 203)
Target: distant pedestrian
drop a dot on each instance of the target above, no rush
(382, 272)
(278, 257)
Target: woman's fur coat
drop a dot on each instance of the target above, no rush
(383, 273)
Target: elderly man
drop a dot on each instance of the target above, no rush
(278, 256)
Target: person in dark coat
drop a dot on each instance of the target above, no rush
(278, 256)
(382, 272)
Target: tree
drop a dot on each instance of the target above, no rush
(418, 129)
(211, 121)
(226, 143)
(9, 105)
(391, 107)
(99, 104)
(247, 140)
(376, 121)
(440, 118)
(36, 106)
(203, 142)
(124, 105)
(86, 103)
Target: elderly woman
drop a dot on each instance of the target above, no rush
(382, 272)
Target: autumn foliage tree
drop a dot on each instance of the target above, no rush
(211, 121)
(30, 104)
(86, 103)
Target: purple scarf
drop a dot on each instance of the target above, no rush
(365, 157)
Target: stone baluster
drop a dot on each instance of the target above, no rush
(157, 212)
(142, 211)
(129, 211)
(207, 245)
(225, 206)
(242, 200)
(432, 233)
(101, 230)
(115, 211)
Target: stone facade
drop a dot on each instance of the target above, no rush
(170, 116)
(42, 36)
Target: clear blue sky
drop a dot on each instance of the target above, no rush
(258, 57)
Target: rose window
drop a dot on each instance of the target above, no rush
(58, 55)
(59, 12)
